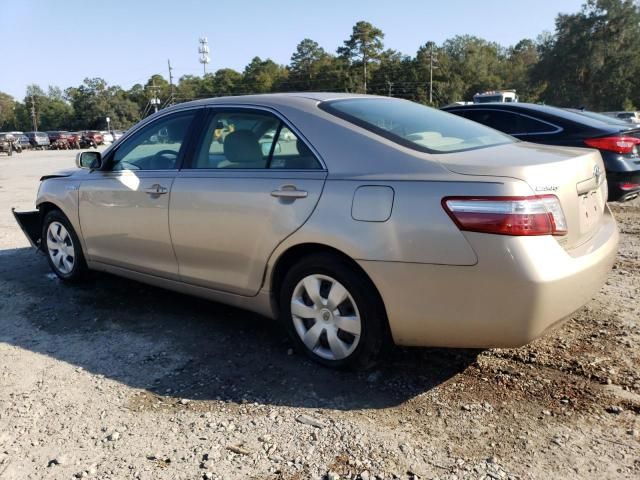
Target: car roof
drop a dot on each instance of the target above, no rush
(276, 99)
(327, 135)
(548, 110)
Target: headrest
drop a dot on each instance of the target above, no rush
(242, 146)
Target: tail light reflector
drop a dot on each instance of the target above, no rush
(518, 216)
(614, 144)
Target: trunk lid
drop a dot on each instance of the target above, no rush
(632, 131)
(575, 175)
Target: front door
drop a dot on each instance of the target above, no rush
(124, 208)
(252, 183)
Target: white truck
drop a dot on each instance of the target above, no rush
(500, 96)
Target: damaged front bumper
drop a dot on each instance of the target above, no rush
(31, 225)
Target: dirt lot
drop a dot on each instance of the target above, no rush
(118, 380)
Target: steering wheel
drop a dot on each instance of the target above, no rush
(163, 154)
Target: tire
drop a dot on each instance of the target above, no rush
(351, 335)
(62, 247)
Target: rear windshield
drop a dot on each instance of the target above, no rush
(416, 126)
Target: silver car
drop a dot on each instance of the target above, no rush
(355, 220)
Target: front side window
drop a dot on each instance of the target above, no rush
(415, 126)
(156, 146)
(251, 140)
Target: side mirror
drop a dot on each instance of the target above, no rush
(92, 160)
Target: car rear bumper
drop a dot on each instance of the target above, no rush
(520, 288)
(623, 186)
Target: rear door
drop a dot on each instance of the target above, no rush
(252, 183)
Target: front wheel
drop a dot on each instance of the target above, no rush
(333, 313)
(62, 246)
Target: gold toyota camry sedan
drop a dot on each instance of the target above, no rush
(356, 220)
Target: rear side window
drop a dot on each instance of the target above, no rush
(415, 126)
(242, 139)
(508, 122)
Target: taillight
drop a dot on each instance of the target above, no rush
(520, 216)
(614, 144)
(628, 186)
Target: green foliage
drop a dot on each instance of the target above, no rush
(308, 63)
(363, 46)
(592, 59)
(7, 111)
(263, 76)
(94, 101)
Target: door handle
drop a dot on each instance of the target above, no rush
(156, 189)
(289, 192)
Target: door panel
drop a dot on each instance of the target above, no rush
(125, 224)
(225, 225)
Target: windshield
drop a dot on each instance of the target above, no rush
(416, 126)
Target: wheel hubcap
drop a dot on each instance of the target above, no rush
(326, 317)
(60, 247)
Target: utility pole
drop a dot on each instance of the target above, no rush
(170, 102)
(431, 67)
(33, 114)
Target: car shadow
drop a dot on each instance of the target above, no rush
(179, 346)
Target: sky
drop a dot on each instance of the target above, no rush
(62, 42)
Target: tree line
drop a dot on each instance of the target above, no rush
(591, 60)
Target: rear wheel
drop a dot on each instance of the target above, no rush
(62, 246)
(332, 312)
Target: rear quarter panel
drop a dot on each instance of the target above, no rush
(417, 231)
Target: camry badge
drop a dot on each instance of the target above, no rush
(546, 188)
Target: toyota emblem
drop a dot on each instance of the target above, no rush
(596, 173)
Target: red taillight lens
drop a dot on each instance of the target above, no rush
(614, 144)
(519, 216)
(628, 186)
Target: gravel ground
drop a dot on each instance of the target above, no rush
(117, 380)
